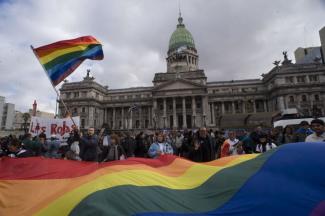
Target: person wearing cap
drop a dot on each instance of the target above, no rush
(264, 144)
(302, 132)
(318, 127)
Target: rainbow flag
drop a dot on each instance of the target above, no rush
(61, 58)
(289, 180)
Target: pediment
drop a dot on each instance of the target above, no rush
(179, 84)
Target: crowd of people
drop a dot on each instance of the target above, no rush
(202, 145)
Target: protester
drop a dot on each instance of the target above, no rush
(276, 136)
(115, 150)
(160, 147)
(33, 146)
(264, 144)
(186, 144)
(178, 142)
(231, 145)
(255, 135)
(318, 126)
(208, 149)
(196, 153)
(288, 136)
(247, 143)
(219, 139)
(89, 149)
(16, 150)
(53, 146)
(302, 132)
(139, 145)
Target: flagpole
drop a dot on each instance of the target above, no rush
(57, 92)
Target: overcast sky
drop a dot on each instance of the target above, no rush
(235, 39)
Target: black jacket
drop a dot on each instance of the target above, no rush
(208, 149)
(89, 148)
(128, 144)
(114, 153)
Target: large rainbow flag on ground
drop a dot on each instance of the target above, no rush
(289, 180)
(61, 58)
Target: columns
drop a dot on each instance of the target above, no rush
(140, 117)
(233, 107)
(184, 113)
(193, 111)
(165, 113)
(150, 117)
(174, 113)
(123, 121)
(114, 119)
(154, 114)
(205, 110)
(265, 105)
(213, 113)
(131, 120)
(280, 105)
(91, 116)
(104, 115)
(254, 106)
(222, 107)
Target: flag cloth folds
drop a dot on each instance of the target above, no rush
(61, 58)
(288, 180)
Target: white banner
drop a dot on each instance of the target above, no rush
(60, 127)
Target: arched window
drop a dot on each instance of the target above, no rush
(291, 99)
(316, 97)
(304, 98)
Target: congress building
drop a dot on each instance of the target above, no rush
(183, 97)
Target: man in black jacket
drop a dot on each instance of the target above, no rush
(207, 146)
(128, 144)
(89, 146)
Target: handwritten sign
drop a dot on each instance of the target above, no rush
(60, 127)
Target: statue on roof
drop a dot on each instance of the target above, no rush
(276, 63)
(88, 77)
(286, 61)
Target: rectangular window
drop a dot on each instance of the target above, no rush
(313, 78)
(289, 79)
(301, 79)
(83, 109)
(76, 94)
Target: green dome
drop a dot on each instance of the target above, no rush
(181, 37)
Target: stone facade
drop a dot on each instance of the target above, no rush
(183, 98)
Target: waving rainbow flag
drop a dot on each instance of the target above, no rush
(288, 180)
(61, 58)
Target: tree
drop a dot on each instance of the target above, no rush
(26, 117)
